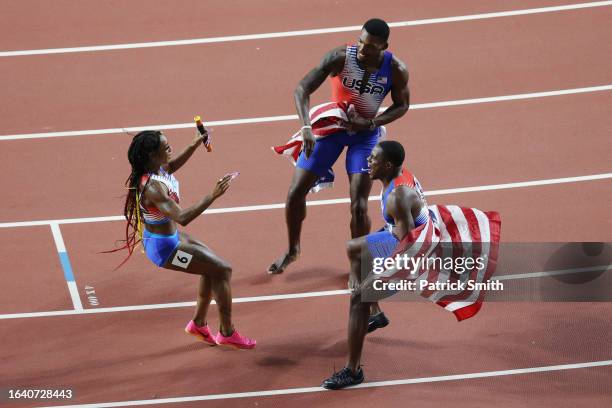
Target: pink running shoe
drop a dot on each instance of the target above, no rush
(236, 340)
(203, 333)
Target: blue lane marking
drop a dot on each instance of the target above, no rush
(66, 266)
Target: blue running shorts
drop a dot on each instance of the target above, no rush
(381, 244)
(159, 247)
(327, 150)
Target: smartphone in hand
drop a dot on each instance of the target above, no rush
(232, 175)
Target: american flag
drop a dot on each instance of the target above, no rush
(454, 232)
(326, 119)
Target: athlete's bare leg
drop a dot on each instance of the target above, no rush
(215, 279)
(360, 187)
(358, 324)
(295, 213)
(358, 254)
(204, 288)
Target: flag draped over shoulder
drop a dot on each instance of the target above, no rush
(453, 232)
(325, 119)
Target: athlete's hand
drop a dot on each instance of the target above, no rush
(198, 139)
(309, 141)
(358, 123)
(221, 186)
(353, 283)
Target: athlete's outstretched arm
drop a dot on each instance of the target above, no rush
(400, 94)
(183, 156)
(331, 64)
(157, 194)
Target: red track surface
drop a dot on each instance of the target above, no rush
(141, 355)
(447, 61)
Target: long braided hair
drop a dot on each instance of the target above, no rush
(143, 144)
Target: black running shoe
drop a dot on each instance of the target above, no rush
(343, 378)
(377, 321)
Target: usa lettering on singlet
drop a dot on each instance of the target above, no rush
(151, 214)
(346, 85)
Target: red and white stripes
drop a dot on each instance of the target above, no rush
(456, 232)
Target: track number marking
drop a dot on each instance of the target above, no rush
(90, 292)
(182, 259)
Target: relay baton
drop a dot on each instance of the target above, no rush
(203, 132)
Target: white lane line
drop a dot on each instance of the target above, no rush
(174, 305)
(553, 273)
(297, 33)
(74, 295)
(58, 239)
(264, 119)
(267, 119)
(66, 267)
(263, 207)
(305, 390)
(267, 298)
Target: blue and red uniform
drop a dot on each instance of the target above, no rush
(382, 244)
(159, 247)
(346, 87)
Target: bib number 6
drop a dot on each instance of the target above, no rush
(182, 259)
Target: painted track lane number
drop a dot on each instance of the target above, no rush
(90, 292)
(182, 259)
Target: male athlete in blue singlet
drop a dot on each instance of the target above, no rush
(362, 75)
(404, 208)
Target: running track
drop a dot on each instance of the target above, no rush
(546, 72)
